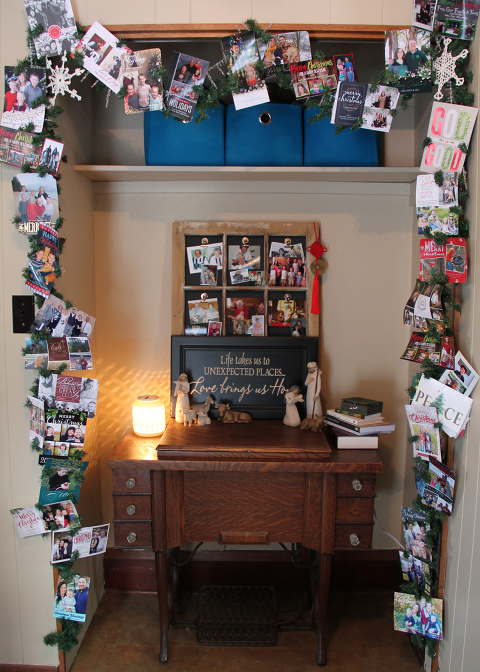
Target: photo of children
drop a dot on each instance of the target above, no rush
(463, 378)
(437, 219)
(102, 57)
(214, 329)
(415, 571)
(44, 262)
(61, 480)
(376, 112)
(414, 531)
(208, 274)
(20, 93)
(406, 58)
(345, 68)
(51, 155)
(140, 76)
(54, 317)
(33, 520)
(305, 73)
(203, 311)
(58, 22)
(208, 255)
(71, 598)
(287, 272)
(258, 325)
(35, 197)
(417, 617)
(437, 486)
(240, 55)
(257, 277)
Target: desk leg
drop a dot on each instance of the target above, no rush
(161, 569)
(324, 565)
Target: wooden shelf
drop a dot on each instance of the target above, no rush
(245, 174)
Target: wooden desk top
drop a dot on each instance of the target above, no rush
(264, 445)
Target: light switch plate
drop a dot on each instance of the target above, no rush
(23, 312)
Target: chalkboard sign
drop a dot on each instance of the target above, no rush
(250, 374)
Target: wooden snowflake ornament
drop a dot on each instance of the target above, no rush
(445, 68)
(60, 79)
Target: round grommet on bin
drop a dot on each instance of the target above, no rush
(265, 118)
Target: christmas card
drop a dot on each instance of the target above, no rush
(414, 531)
(422, 420)
(376, 113)
(345, 68)
(79, 353)
(284, 50)
(86, 541)
(37, 354)
(463, 378)
(429, 193)
(29, 522)
(61, 480)
(58, 22)
(435, 484)
(102, 56)
(58, 353)
(36, 198)
(420, 348)
(349, 103)
(240, 54)
(33, 520)
(452, 407)
(37, 420)
(438, 219)
(21, 91)
(407, 57)
(44, 262)
(61, 321)
(185, 72)
(418, 617)
(416, 571)
(71, 598)
(310, 78)
(423, 14)
(449, 126)
(64, 434)
(449, 259)
(17, 148)
(457, 18)
(51, 155)
(140, 74)
(67, 394)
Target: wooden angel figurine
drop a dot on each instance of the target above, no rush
(292, 418)
(313, 382)
(182, 390)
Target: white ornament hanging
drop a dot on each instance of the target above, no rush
(60, 79)
(444, 66)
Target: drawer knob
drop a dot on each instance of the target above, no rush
(356, 485)
(354, 540)
(131, 483)
(131, 509)
(132, 538)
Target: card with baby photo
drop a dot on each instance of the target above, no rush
(35, 197)
(203, 311)
(239, 276)
(51, 155)
(140, 74)
(58, 22)
(463, 378)
(36, 356)
(71, 597)
(79, 353)
(88, 396)
(61, 480)
(214, 329)
(101, 56)
(37, 420)
(208, 275)
(416, 571)
(415, 530)
(21, 92)
(244, 256)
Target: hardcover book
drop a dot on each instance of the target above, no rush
(185, 72)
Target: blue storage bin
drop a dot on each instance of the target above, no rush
(252, 142)
(172, 143)
(348, 149)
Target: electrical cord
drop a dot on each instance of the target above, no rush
(297, 564)
(375, 518)
(181, 564)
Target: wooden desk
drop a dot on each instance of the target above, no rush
(242, 484)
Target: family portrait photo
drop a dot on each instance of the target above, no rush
(424, 13)
(58, 22)
(309, 78)
(418, 617)
(416, 571)
(463, 378)
(287, 272)
(414, 531)
(60, 480)
(437, 219)
(144, 89)
(345, 68)
(35, 197)
(51, 155)
(59, 320)
(20, 93)
(406, 58)
(185, 73)
(283, 49)
(71, 598)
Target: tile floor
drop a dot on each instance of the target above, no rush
(123, 637)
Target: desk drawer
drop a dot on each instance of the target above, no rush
(133, 535)
(356, 485)
(132, 507)
(131, 480)
(353, 536)
(353, 510)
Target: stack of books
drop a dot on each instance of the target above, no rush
(358, 422)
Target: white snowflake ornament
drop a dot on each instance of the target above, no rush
(445, 68)
(60, 79)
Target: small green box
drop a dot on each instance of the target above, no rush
(361, 406)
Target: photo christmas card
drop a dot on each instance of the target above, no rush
(452, 407)
(37, 420)
(86, 541)
(17, 148)
(457, 18)
(449, 259)
(463, 378)
(61, 480)
(185, 72)
(58, 22)
(449, 126)
(35, 198)
(423, 14)
(44, 262)
(406, 55)
(34, 520)
(51, 155)
(415, 530)
(418, 617)
(437, 218)
(284, 50)
(416, 571)
(376, 113)
(435, 484)
(422, 421)
(59, 320)
(21, 92)
(310, 78)
(345, 68)
(71, 598)
(140, 76)
(241, 55)
(429, 193)
(102, 56)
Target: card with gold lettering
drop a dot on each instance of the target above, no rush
(58, 353)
